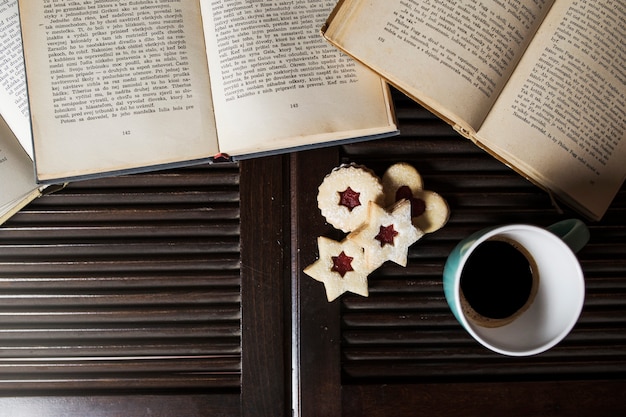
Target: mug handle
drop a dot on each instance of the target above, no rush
(571, 231)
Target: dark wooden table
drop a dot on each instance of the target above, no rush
(181, 293)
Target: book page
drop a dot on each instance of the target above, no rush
(562, 118)
(278, 84)
(13, 97)
(116, 85)
(452, 56)
(17, 176)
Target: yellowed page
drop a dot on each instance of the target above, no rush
(562, 118)
(17, 175)
(13, 97)
(116, 86)
(452, 56)
(278, 84)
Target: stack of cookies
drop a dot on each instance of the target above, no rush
(382, 218)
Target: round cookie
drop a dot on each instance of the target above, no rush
(399, 175)
(344, 194)
(429, 210)
(435, 211)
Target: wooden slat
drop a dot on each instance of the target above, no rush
(316, 330)
(130, 282)
(472, 399)
(220, 403)
(265, 300)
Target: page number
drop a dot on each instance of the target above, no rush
(125, 132)
(293, 106)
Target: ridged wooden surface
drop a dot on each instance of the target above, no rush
(404, 329)
(122, 283)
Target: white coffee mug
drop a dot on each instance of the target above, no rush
(560, 287)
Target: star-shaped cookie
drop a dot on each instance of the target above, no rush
(386, 234)
(341, 267)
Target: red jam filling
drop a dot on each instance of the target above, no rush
(386, 235)
(349, 198)
(418, 206)
(342, 264)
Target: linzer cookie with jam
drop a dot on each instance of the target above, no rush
(382, 220)
(429, 210)
(341, 267)
(344, 194)
(386, 234)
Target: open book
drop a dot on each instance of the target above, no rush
(124, 86)
(540, 84)
(17, 176)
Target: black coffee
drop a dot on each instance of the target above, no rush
(497, 279)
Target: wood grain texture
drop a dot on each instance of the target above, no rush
(125, 283)
(265, 306)
(316, 328)
(546, 398)
(221, 404)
